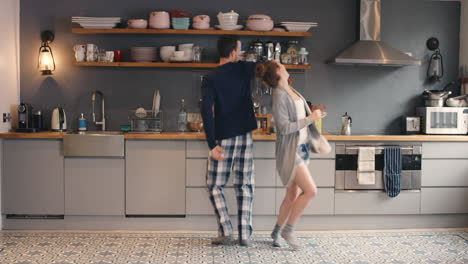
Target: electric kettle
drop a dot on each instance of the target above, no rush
(346, 121)
(59, 119)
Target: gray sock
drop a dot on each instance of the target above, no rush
(275, 235)
(288, 234)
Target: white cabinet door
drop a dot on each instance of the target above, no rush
(94, 186)
(33, 177)
(444, 200)
(155, 177)
(322, 204)
(376, 203)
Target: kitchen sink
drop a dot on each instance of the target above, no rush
(94, 144)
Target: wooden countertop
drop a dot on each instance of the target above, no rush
(263, 137)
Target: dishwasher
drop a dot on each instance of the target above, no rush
(347, 166)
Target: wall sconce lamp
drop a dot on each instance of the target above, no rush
(46, 62)
(435, 69)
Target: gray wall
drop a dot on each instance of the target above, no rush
(374, 97)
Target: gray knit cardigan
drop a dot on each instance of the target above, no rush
(287, 130)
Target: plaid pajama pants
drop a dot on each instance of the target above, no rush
(238, 160)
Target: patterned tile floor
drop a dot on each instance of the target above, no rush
(359, 247)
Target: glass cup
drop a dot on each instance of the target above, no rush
(91, 52)
(102, 55)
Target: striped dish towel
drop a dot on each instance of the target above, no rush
(392, 170)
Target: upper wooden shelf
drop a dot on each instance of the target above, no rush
(170, 65)
(189, 32)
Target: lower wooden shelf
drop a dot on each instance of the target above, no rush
(169, 65)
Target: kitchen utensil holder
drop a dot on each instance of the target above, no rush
(152, 122)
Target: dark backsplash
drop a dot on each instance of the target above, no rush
(375, 97)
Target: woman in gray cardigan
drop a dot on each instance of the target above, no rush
(297, 138)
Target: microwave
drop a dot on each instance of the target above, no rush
(444, 120)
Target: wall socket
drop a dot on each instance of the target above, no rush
(6, 117)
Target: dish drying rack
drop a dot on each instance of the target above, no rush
(149, 121)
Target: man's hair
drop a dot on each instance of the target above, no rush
(226, 44)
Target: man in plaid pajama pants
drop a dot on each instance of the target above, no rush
(228, 119)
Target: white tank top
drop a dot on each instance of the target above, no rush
(301, 114)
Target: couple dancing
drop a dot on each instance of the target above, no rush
(229, 120)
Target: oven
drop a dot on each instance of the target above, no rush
(347, 165)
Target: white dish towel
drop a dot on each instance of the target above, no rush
(366, 166)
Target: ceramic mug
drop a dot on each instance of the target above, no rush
(117, 55)
(80, 52)
(109, 56)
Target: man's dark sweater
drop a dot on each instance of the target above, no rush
(227, 88)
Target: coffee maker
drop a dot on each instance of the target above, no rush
(25, 118)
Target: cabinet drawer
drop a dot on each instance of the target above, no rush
(375, 202)
(444, 200)
(322, 204)
(94, 186)
(330, 155)
(264, 149)
(322, 170)
(445, 150)
(265, 173)
(197, 149)
(198, 202)
(445, 172)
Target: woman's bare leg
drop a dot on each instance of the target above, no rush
(309, 190)
(285, 209)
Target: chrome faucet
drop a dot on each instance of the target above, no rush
(103, 113)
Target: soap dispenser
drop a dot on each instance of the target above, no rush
(82, 123)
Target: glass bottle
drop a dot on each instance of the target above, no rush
(292, 51)
(182, 118)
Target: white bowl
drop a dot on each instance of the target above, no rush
(228, 19)
(179, 54)
(185, 46)
(137, 23)
(166, 52)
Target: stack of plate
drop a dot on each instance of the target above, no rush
(143, 54)
(298, 26)
(97, 22)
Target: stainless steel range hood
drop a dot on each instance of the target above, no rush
(369, 50)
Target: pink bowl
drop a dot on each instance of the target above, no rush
(260, 22)
(260, 25)
(201, 18)
(201, 25)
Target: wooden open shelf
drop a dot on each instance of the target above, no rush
(189, 32)
(169, 65)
